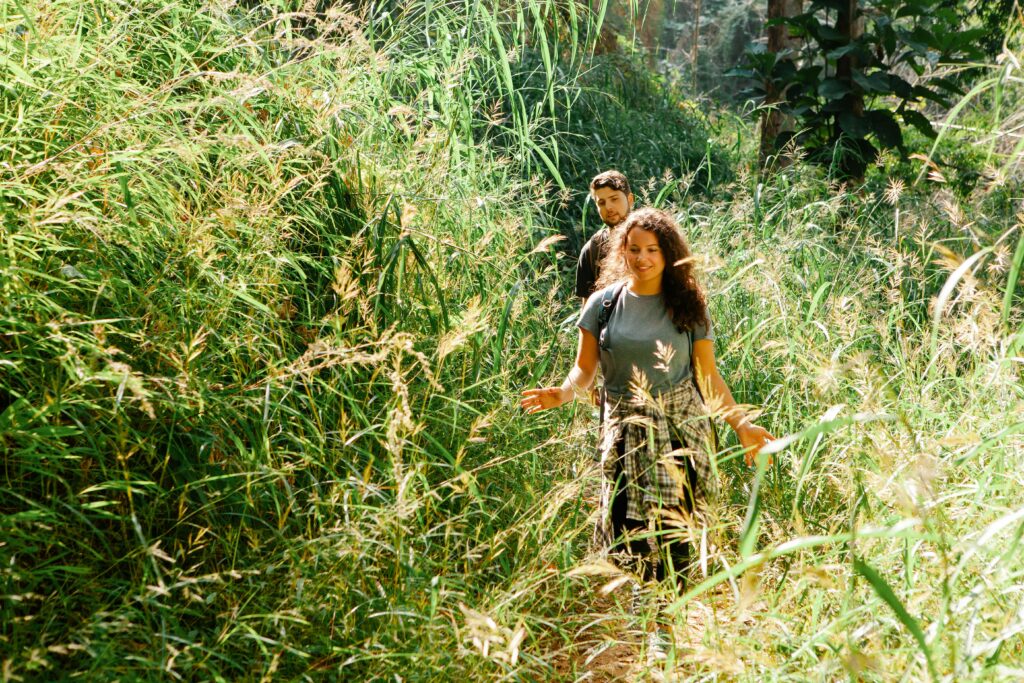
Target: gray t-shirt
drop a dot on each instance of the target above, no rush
(635, 327)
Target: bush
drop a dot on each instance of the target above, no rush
(264, 313)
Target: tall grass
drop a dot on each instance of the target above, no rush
(266, 297)
(271, 282)
(890, 518)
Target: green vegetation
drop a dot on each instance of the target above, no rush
(847, 82)
(270, 285)
(626, 117)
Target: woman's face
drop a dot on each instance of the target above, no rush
(644, 258)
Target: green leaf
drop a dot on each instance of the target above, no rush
(433, 279)
(885, 128)
(842, 51)
(888, 39)
(900, 87)
(909, 10)
(913, 42)
(947, 85)
(923, 36)
(826, 4)
(921, 91)
(833, 89)
(918, 121)
(853, 125)
(551, 166)
(877, 82)
(829, 34)
(885, 592)
(498, 343)
(741, 73)
(751, 523)
(784, 71)
(903, 529)
(19, 73)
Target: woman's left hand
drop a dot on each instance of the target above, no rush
(753, 438)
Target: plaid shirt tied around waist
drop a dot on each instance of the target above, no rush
(653, 476)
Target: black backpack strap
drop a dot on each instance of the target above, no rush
(609, 300)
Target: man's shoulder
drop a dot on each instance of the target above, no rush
(597, 239)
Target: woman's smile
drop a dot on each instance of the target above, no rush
(645, 260)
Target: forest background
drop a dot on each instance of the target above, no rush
(272, 276)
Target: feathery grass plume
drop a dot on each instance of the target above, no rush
(238, 240)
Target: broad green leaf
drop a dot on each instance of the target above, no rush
(900, 87)
(874, 83)
(833, 89)
(885, 128)
(853, 125)
(843, 51)
(918, 121)
(827, 33)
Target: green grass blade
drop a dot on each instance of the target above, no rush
(552, 168)
(499, 337)
(433, 280)
(1012, 280)
(884, 591)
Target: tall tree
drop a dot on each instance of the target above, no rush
(781, 44)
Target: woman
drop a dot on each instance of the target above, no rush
(649, 329)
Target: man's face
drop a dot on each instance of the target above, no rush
(612, 205)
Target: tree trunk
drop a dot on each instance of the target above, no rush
(646, 23)
(851, 25)
(696, 44)
(774, 122)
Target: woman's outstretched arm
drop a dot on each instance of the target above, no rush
(576, 383)
(751, 436)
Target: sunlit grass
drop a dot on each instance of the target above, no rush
(271, 284)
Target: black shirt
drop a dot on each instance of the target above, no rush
(588, 268)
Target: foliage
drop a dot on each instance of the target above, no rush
(994, 17)
(987, 121)
(621, 115)
(264, 304)
(268, 291)
(845, 116)
(726, 33)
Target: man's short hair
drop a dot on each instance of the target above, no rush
(613, 179)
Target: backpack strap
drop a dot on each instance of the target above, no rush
(609, 300)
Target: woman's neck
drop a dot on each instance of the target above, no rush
(645, 288)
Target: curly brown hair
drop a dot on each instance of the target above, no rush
(683, 295)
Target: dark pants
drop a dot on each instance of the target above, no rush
(624, 530)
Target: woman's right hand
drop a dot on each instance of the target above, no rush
(536, 400)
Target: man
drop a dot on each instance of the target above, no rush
(611, 195)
